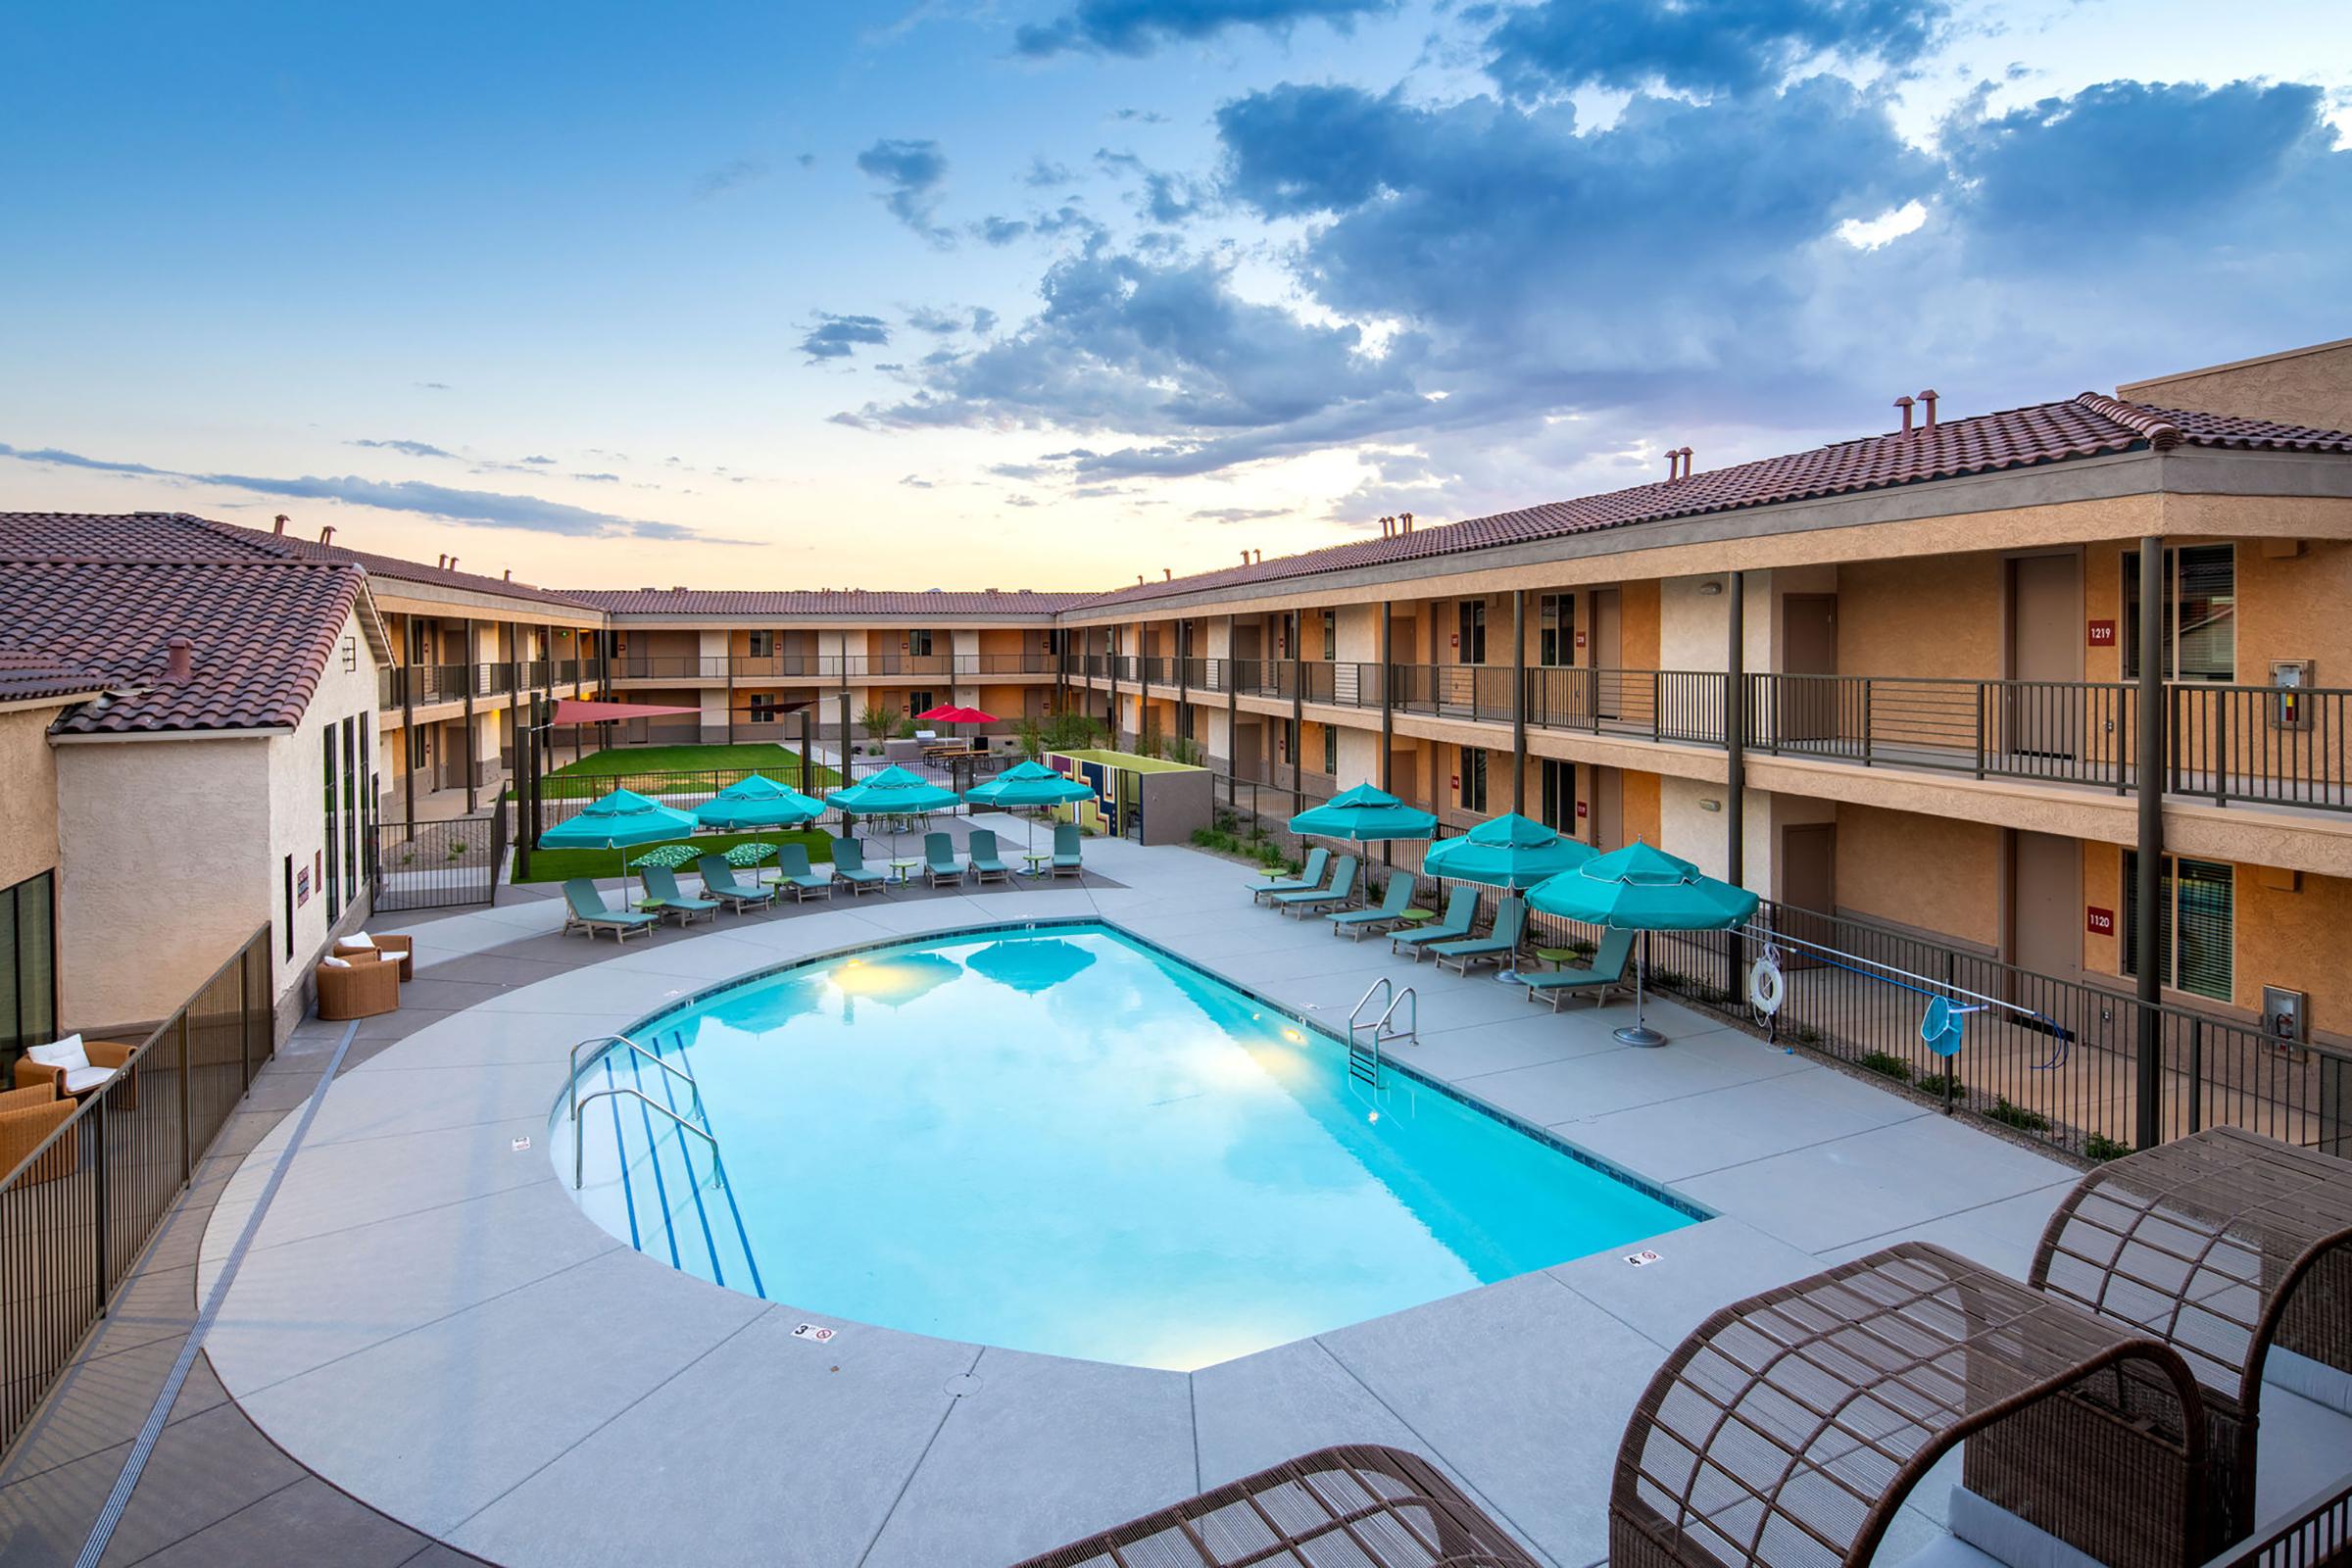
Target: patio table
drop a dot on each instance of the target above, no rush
(901, 868)
(1036, 860)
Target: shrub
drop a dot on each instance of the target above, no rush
(2101, 1148)
(1886, 1067)
(1072, 731)
(2018, 1116)
(1186, 750)
(905, 727)
(1941, 1082)
(1030, 735)
(876, 722)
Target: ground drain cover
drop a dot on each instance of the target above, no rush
(961, 1384)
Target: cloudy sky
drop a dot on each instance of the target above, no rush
(918, 293)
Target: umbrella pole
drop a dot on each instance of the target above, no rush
(1641, 1034)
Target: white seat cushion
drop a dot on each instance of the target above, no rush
(333, 962)
(358, 939)
(66, 1053)
(79, 1079)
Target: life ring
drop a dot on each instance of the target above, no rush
(1767, 986)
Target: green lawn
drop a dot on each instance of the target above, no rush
(656, 769)
(556, 865)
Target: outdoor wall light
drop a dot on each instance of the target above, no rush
(1710, 806)
(1710, 588)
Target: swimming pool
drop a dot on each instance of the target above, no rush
(1058, 1139)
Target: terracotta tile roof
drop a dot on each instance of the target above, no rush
(399, 570)
(826, 602)
(28, 675)
(2090, 425)
(110, 592)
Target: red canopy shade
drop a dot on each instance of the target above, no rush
(955, 716)
(576, 711)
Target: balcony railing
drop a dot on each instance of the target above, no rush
(448, 683)
(828, 669)
(2233, 745)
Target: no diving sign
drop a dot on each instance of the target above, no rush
(1641, 1259)
(813, 1331)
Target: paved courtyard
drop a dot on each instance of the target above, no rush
(429, 1325)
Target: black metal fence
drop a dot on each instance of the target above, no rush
(565, 795)
(77, 1208)
(437, 866)
(2319, 1535)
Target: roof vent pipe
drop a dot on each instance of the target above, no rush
(1929, 398)
(327, 535)
(179, 662)
(281, 524)
(509, 575)
(1166, 576)
(1404, 523)
(1673, 464)
(1904, 404)
(1245, 557)
(453, 563)
(1687, 456)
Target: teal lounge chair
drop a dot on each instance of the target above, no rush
(586, 910)
(1461, 907)
(1357, 924)
(718, 882)
(849, 863)
(1496, 946)
(1065, 851)
(792, 859)
(981, 850)
(1606, 975)
(661, 886)
(1338, 890)
(1310, 879)
(939, 860)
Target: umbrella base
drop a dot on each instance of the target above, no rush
(1640, 1034)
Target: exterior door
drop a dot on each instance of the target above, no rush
(2042, 713)
(1246, 749)
(1808, 889)
(2046, 905)
(1808, 709)
(1608, 810)
(1603, 654)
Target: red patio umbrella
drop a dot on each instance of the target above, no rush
(948, 715)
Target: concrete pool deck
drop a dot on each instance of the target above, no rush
(429, 1323)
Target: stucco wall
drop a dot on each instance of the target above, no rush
(2307, 386)
(1930, 873)
(27, 794)
(297, 806)
(1942, 615)
(165, 868)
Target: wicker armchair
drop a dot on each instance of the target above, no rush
(2230, 1249)
(30, 1074)
(1363, 1507)
(28, 1116)
(402, 948)
(1790, 1428)
(367, 988)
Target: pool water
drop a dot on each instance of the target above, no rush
(1057, 1138)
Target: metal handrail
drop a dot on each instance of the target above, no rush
(1380, 1025)
(655, 1057)
(1355, 1012)
(579, 1156)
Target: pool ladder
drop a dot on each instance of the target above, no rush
(578, 1100)
(1367, 1036)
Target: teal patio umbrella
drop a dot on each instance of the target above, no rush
(1364, 815)
(1027, 784)
(1640, 888)
(621, 820)
(758, 801)
(1509, 851)
(893, 792)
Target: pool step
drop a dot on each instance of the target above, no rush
(664, 1186)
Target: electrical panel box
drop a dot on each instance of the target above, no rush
(2282, 1015)
(2290, 709)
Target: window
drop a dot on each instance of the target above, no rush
(1473, 649)
(918, 642)
(1474, 778)
(1331, 636)
(334, 887)
(2196, 924)
(369, 793)
(29, 963)
(351, 808)
(763, 644)
(2199, 629)
(1331, 749)
(1555, 635)
(1557, 782)
(420, 751)
(920, 702)
(763, 707)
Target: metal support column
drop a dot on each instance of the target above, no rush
(526, 795)
(2149, 885)
(1184, 687)
(808, 749)
(730, 657)
(407, 728)
(473, 679)
(1518, 701)
(1387, 716)
(1297, 715)
(1111, 666)
(1232, 720)
(1734, 733)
